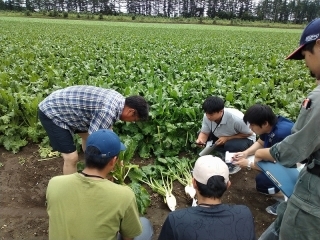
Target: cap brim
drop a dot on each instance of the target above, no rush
(122, 147)
(296, 55)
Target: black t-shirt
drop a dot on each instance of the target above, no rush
(220, 222)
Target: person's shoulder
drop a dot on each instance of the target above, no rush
(314, 96)
(284, 123)
(62, 178)
(315, 90)
(240, 209)
(125, 191)
(182, 210)
(61, 181)
(284, 119)
(179, 215)
(234, 112)
(123, 195)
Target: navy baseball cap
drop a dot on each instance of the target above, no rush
(107, 142)
(310, 34)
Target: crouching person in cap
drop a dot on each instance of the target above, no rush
(210, 219)
(86, 205)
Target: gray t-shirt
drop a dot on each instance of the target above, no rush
(231, 124)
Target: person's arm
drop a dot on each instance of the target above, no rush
(102, 120)
(244, 162)
(202, 138)
(130, 225)
(204, 132)
(260, 154)
(250, 151)
(305, 137)
(223, 139)
(243, 131)
(263, 154)
(239, 135)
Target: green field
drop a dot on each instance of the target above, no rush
(174, 66)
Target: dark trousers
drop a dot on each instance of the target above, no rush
(233, 145)
(265, 185)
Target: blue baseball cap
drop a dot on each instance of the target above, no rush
(107, 142)
(310, 34)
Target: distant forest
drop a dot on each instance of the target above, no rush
(295, 11)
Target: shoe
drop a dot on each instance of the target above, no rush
(273, 208)
(233, 168)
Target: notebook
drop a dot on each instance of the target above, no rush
(208, 149)
(284, 178)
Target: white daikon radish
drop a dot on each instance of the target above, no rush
(171, 201)
(190, 191)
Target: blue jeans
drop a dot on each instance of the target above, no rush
(147, 230)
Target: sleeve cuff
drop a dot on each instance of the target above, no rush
(274, 152)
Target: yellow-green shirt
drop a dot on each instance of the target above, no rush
(83, 208)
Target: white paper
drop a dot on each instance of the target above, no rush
(229, 155)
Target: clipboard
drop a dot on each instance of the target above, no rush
(284, 178)
(208, 149)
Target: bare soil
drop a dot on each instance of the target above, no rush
(23, 181)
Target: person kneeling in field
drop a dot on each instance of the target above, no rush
(271, 130)
(82, 110)
(210, 219)
(86, 205)
(225, 127)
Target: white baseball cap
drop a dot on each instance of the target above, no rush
(208, 166)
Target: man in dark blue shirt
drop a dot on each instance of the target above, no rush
(210, 219)
(271, 130)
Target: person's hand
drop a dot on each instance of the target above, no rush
(242, 162)
(200, 143)
(222, 140)
(239, 155)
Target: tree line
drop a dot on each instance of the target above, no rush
(296, 11)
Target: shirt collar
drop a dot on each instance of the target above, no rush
(224, 117)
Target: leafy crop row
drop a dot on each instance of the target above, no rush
(174, 66)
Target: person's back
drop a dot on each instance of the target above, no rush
(100, 207)
(86, 205)
(83, 108)
(222, 221)
(210, 219)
